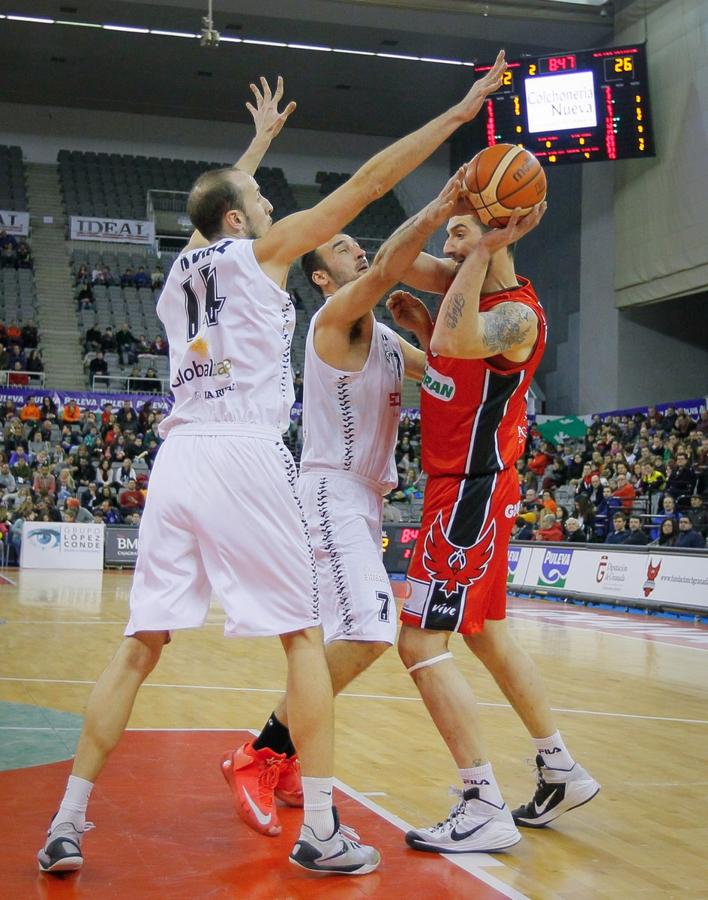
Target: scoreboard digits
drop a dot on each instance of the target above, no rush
(574, 107)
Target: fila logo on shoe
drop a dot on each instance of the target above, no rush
(263, 820)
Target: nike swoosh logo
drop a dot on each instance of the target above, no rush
(542, 808)
(461, 835)
(262, 820)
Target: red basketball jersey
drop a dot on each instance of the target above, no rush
(473, 414)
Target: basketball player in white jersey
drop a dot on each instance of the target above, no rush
(351, 409)
(229, 324)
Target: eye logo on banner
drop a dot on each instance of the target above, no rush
(555, 568)
(45, 538)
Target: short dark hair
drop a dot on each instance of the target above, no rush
(620, 515)
(213, 194)
(310, 262)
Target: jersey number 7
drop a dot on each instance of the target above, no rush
(212, 301)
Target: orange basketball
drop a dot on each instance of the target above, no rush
(502, 177)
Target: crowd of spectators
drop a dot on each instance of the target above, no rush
(85, 279)
(128, 348)
(70, 464)
(20, 355)
(633, 480)
(14, 253)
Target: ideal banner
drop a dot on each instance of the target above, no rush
(121, 546)
(61, 545)
(14, 222)
(648, 574)
(115, 231)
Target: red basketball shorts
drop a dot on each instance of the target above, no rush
(457, 575)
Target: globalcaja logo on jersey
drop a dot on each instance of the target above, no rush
(514, 556)
(208, 369)
(555, 568)
(438, 385)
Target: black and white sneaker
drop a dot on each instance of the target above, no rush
(557, 792)
(473, 825)
(341, 854)
(62, 852)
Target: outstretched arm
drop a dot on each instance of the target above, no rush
(510, 328)
(269, 123)
(301, 232)
(395, 256)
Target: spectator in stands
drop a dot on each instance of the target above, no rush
(71, 414)
(698, 514)
(687, 535)
(125, 344)
(574, 532)
(130, 497)
(531, 505)
(637, 535)
(104, 474)
(141, 345)
(8, 252)
(108, 341)
(34, 362)
(522, 530)
(29, 335)
(97, 367)
(548, 502)
(682, 478)
(90, 498)
(74, 512)
(83, 276)
(157, 278)
(6, 238)
(142, 279)
(92, 339)
(30, 412)
(18, 376)
(130, 423)
(110, 514)
(127, 279)
(550, 530)
(668, 534)
(108, 277)
(4, 358)
(624, 492)
(24, 255)
(619, 533)
(298, 384)
(85, 298)
(159, 347)
(97, 274)
(541, 460)
(123, 412)
(49, 409)
(144, 414)
(125, 474)
(85, 471)
(44, 484)
(7, 479)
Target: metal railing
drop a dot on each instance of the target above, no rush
(21, 378)
(137, 384)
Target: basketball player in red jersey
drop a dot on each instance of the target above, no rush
(483, 350)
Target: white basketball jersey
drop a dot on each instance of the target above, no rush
(229, 329)
(350, 419)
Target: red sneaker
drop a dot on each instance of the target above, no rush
(289, 786)
(252, 776)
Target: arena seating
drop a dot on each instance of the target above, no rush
(12, 179)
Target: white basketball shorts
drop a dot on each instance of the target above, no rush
(222, 517)
(343, 513)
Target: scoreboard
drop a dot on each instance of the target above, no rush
(398, 542)
(574, 107)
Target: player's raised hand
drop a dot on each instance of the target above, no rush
(268, 120)
(449, 202)
(517, 227)
(482, 88)
(408, 311)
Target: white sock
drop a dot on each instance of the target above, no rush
(73, 806)
(317, 796)
(483, 778)
(554, 752)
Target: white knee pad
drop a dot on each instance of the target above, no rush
(430, 662)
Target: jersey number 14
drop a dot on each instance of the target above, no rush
(212, 301)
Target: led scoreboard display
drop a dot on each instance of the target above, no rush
(397, 543)
(574, 107)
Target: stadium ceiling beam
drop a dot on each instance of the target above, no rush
(580, 12)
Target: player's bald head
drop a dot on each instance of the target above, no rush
(213, 194)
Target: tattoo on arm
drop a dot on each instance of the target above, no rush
(507, 326)
(453, 313)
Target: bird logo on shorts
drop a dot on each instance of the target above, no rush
(452, 566)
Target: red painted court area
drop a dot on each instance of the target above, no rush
(165, 828)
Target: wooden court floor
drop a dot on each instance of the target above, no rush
(631, 695)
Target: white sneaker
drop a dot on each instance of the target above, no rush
(557, 792)
(62, 851)
(474, 825)
(341, 854)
